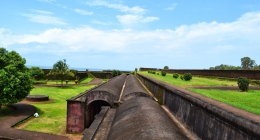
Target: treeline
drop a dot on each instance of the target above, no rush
(246, 64)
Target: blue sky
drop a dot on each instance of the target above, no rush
(127, 34)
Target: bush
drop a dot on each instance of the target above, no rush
(175, 75)
(115, 72)
(187, 76)
(154, 72)
(67, 81)
(163, 73)
(243, 83)
(181, 77)
(157, 73)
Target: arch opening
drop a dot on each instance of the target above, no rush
(92, 109)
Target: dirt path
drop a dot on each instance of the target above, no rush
(22, 112)
(224, 87)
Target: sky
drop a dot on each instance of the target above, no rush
(129, 34)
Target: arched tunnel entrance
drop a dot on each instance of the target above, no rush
(92, 109)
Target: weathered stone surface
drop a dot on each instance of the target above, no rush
(133, 89)
(206, 119)
(143, 119)
(37, 98)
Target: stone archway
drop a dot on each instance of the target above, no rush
(93, 108)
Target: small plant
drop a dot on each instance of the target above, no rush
(181, 77)
(154, 72)
(158, 74)
(187, 76)
(67, 81)
(163, 73)
(243, 83)
(77, 79)
(175, 75)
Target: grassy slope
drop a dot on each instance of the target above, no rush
(53, 115)
(196, 81)
(249, 101)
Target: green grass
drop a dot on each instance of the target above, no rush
(86, 80)
(53, 115)
(249, 101)
(6, 110)
(196, 81)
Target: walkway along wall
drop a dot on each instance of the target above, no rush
(204, 119)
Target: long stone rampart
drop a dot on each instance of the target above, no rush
(206, 119)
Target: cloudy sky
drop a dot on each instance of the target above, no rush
(127, 34)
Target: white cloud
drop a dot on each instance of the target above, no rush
(133, 19)
(120, 7)
(199, 42)
(41, 12)
(171, 7)
(83, 12)
(43, 17)
(48, 1)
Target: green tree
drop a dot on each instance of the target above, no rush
(61, 70)
(15, 81)
(36, 73)
(166, 67)
(247, 63)
(115, 72)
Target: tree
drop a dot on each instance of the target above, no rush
(115, 72)
(61, 70)
(36, 73)
(166, 67)
(15, 81)
(247, 63)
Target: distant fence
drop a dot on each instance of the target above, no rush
(250, 74)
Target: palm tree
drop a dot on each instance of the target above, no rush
(61, 70)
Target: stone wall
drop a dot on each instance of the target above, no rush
(250, 74)
(204, 119)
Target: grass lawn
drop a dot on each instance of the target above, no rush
(196, 81)
(53, 115)
(249, 101)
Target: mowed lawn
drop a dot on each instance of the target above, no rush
(196, 81)
(249, 101)
(52, 115)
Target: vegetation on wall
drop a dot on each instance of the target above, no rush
(246, 64)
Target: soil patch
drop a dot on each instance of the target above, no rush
(41, 102)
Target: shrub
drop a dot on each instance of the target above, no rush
(175, 75)
(115, 72)
(157, 73)
(67, 81)
(154, 72)
(163, 73)
(187, 76)
(243, 83)
(166, 67)
(181, 77)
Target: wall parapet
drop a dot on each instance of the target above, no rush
(204, 118)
